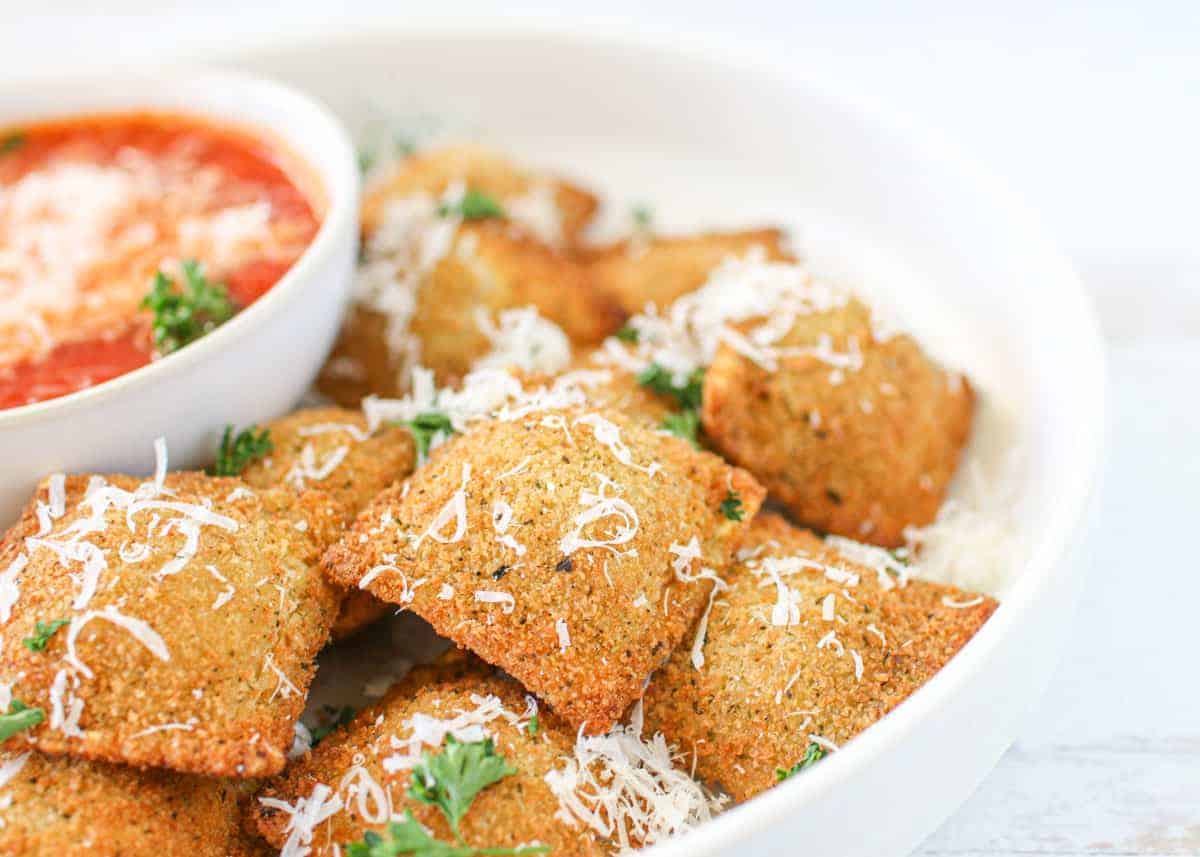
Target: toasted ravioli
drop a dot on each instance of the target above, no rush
(857, 433)
(195, 609)
(658, 270)
(804, 642)
(54, 807)
(332, 450)
(440, 317)
(555, 210)
(567, 547)
(368, 768)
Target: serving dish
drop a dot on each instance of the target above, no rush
(257, 364)
(906, 217)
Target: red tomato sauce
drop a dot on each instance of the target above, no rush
(241, 172)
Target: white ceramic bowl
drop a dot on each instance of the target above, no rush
(252, 368)
(701, 129)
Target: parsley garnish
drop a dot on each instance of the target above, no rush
(451, 779)
(474, 205)
(683, 424)
(659, 380)
(183, 316)
(427, 426)
(643, 218)
(20, 716)
(732, 508)
(532, 726)
(812, 755)
(409, 837)
(42, 632)
(11, 142)
(340, 719)
(236, 451)
(629, 334)
(397, 146)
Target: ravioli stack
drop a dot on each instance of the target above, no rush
(554, 453)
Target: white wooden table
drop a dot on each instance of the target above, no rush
(1091, 109)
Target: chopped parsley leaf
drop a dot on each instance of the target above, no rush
(812, 755)
(11, 142)
(629, 334)
(42, 632)
(658, 379)
(409, 837)
(19, 717)
(532, 726)
(732, 508)
(335, 722)
(425, 429)
(236, 451)
(684, 424)
(183, 316)
(451, 779)
(474, 205)
(643, 218)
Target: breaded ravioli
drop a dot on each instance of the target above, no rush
(193, 609)
(658, 270)
(568, 547)
(804, 646)
(366, 769)
(554, 210)
(856, 431)
(333, 450)
(56, 807)
(442, 314)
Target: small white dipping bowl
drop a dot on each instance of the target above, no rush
(252, 368)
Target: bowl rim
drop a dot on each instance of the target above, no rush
(1068, 514)
(337, 175)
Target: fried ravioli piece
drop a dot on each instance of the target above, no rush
(195, 609)
(524, 194)
(376, 752)
(858, 436)
(332, 450)
(564, 547)
(658, 270)
(804, 642)
(488, 268)
(59, 806)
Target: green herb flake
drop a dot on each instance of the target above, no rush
(426, 428)
(337, 720)
(181, 316)
(732, 508)
(409, 837)
(237, 451)
(655, 377)
(812, 755)
(42, 632)
(629, 334)
(643, 218)
(451, 779)
(19, 717)
(12, 141)
(474, 205)
(684, 424)
(532, 726)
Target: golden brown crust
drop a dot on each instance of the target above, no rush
(861, 453)
(249, 602)
(659, 270)
(481, 170)
(490, 268)
(518, 810)
(622, 612)
(57, 807)
(765, 688)
(368, 463)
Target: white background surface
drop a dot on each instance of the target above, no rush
(1092, 110)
